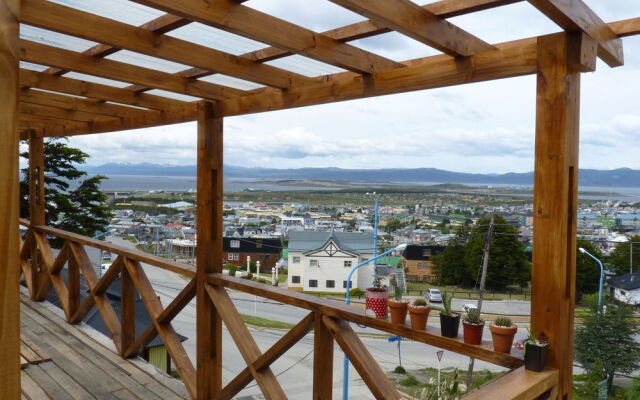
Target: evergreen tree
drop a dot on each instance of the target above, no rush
(608, 339)
(621, 258)
(71, 203)
(449, 264)
(587, 269)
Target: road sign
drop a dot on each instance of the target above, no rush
(392, 339)
(439, 354)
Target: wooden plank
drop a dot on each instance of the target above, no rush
(51, 387)
(53, 56)
(265, 378)
(128, 312)
(166, 331)
(342, 311)
(414, 21)
(40, 355)
(322, 360)
(555, 204)
(32, 390)
(48, 15)
(497, 64)
(248, 22)
(368, 368)
(269, 357)
(627, 27)
(518, 384)
(63, 114)
(75, 390)
(574, 16)
(209, 248)
(9, 195)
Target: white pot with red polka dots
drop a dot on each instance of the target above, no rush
(376, 299)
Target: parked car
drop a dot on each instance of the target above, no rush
(434, 296)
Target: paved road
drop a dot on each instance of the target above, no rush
(295, 368)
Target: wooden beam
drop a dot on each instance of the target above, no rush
(627, 27)
(322, 360)
(64, 114)
(209, 248)
(97, 91)
(248, 22)
(51, 16)
(128, 312)
(518, 384)
(9, 195)
(555, 204)
(574, 16)
(410, 19)
(56, 57)
(510, 60)
(36, 202)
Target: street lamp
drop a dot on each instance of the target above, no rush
(347, 300)
(583, 251)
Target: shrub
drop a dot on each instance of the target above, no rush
(503, 321)
(400, 370)
(248, 276)
(232, 271)
(355, 292)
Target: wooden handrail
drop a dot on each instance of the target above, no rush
(518, 384)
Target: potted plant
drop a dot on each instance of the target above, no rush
(376, 298)
(449, 320)
(502, 332)
(535, 352)
(398, 306)
(472, 327)
(419, 313)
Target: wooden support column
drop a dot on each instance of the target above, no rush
(9, 206)
(555, 198)
(209, 249)
(36, 203)
(128, 312)
(322, 360)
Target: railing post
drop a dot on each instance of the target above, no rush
(128, 312)
(9, 204)
(554, 203)
(36, 203)
(322, 360)
(209, 249)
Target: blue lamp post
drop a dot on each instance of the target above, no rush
(583, 251)
(347, 300)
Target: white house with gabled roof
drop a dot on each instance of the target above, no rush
(321, 261)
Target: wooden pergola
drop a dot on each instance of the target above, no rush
(46, 103)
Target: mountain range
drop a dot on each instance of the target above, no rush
(622, 177)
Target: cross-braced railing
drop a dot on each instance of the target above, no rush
(329, 320)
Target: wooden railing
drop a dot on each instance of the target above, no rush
(329, 320)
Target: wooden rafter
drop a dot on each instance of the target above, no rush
(575, 16)
(414, 21)
(48, 15)
(627, 27)
(233, 17)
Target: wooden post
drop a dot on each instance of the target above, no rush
(128, 312)
(209, 249)
(9, 206)
(322, 360)
(36, 203)
(555, 197)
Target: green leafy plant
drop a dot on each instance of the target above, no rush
(473, 317)
(232, 270)
(419, 303)
(503, 321)
(449, 389)
(377, 285)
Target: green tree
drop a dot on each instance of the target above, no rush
(608, 339)
(73, 202)
(587, 269)
(508, 264)
(449, 264)
(620, 259)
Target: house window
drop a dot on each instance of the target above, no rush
(426, 252)
(314, 263)
(262, 257)
(235, 244)
(295, 260)
(313, 283)
(421, 265)
(331, 284)
(344, 285)
(234, 256)
(295, 279)
(622, 292)
(347, 264)
(258, 244)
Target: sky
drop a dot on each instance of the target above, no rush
(484, 127)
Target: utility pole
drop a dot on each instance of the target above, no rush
(483, 279)
(630, 257)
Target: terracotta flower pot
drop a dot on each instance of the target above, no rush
(449, 325)
(376, 300)
(503, 337)
(472, 333)
(419, 316)
(398, 310)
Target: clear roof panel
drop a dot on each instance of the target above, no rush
(171, 95)
(216, 39)
(96, 79)
(615, 10)
(120, 10)
(32, 66)
(58, 93)
(304, 66)
(230, 81)
(145, 61)
(395, 46)
(54, 39)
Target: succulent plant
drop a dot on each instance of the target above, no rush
(420, 303)
(503, 321)
(473, 317)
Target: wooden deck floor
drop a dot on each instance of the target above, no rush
(82, 368)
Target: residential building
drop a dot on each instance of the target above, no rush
(626, 288)
(265, 250)
(321, 261)
(418, 261)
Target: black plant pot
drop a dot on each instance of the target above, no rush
(535, 357)
(449, 325)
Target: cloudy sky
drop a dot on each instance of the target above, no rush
(486, 127)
